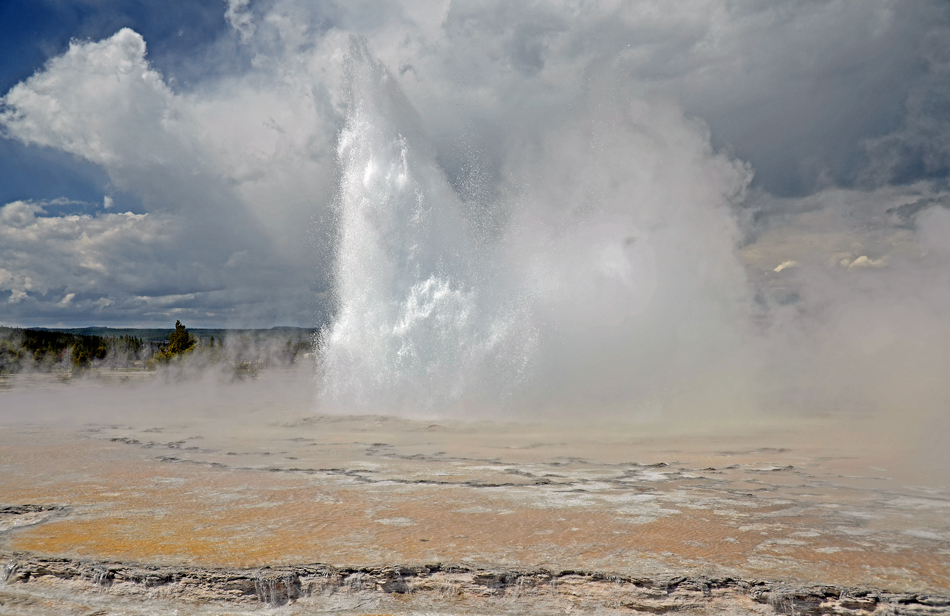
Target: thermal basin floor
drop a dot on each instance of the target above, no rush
(804, 501)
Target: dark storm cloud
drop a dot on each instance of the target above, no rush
(908, 212)
(920, 147)
(801, 87)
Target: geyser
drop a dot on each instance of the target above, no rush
(417, 324)
(613, 276)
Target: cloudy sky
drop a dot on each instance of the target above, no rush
(177, 158)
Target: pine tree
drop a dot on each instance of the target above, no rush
(180, 340)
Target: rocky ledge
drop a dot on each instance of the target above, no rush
(413, 588)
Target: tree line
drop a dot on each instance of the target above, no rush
(48, 351)
(44, 350)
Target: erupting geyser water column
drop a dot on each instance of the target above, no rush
(614, 280)
(416, 326)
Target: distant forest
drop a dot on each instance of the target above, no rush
(78, 350)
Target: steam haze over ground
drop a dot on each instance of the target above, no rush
(705, 208)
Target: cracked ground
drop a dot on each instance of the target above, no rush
(808, 500)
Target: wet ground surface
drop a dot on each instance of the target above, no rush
(790, 503)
